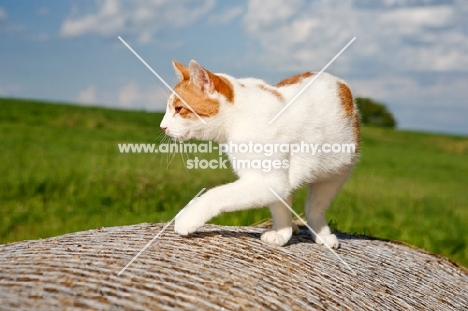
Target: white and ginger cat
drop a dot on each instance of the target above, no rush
(239, 111)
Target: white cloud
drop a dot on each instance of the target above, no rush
(156, 98)
(227, 16)
(129, 95)
(297, 35)
(40, 37)
(262, 15)
(6, 26)
(138, 18)
(410, 21)
(12, 90)
(88, 95)
(302, 35)
(384, 87)
(132, 96)
(43, 11)
(3, 14)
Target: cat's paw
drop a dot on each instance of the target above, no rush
(280, 237)
(188, 222)
(184, 228)
(329, 239)
(295, 229)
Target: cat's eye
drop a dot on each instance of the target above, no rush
(178, 109)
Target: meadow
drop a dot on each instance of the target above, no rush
(61, 171)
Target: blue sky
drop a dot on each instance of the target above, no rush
(409, 54)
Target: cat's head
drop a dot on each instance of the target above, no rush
(194, 111)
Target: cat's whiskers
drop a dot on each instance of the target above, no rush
(182, 155)
(169, 142)
(155, 153)
(154, 141)
(173, 153)
(164, 140)
(161, 135)
(157, 141)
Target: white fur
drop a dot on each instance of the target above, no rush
(317, 116)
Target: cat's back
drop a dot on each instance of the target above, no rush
(321, 97)
(311, 84)
(304, 107)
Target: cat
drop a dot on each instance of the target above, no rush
(239, 111)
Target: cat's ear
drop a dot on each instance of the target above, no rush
(181, 71)
(201, 77)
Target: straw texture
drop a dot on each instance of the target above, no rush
(222, 268)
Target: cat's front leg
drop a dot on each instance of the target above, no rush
(239, 195)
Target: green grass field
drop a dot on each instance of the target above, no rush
(61, 171)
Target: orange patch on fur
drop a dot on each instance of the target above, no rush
(347, 103)
(222, 86)
(346, 98)
(295, 79)
(271, 90)
(356, 131)
(193, 96)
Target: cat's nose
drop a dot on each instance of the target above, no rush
(163, 128)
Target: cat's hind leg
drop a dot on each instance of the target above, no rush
(319, 198)
(295, 229)
(282, 229)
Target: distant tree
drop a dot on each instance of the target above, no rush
(374, 113)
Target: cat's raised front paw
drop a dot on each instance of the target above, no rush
(280, 237)
(187, 222)
(184, 229)
(330, 239)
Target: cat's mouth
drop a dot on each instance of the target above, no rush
(178, 137)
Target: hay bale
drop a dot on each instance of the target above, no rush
(222, 267)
